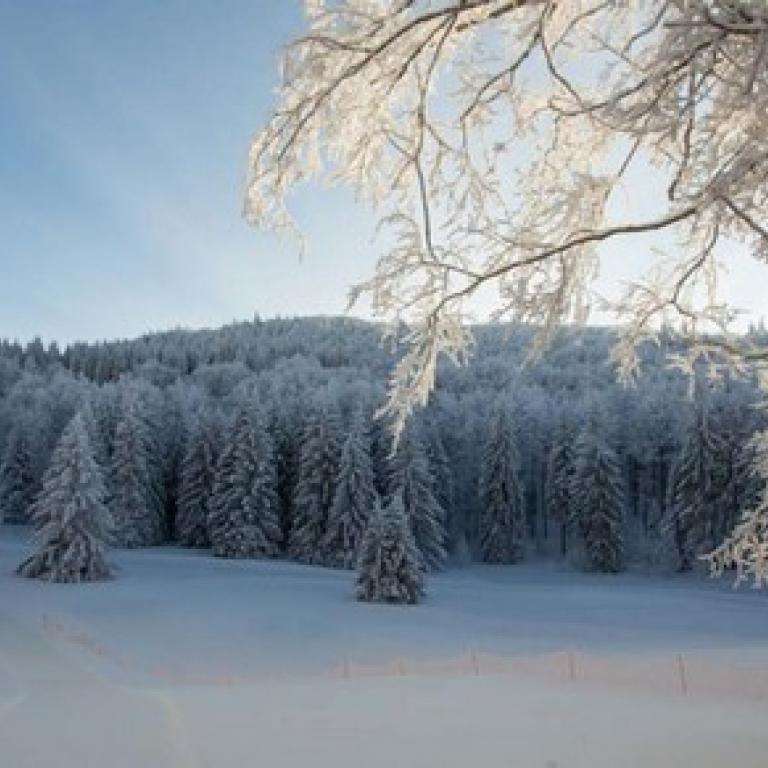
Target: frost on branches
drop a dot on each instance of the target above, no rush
(69, 516)
(495, 139)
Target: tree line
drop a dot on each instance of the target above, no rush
(259, 440)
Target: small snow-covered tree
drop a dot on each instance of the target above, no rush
(131, 492)
(69, 515)
(319, 457)
(244, 517)
(502, 513)
(353, 500)
(197, 472)
(412, 479)
(17, 484)
(389, 567)
(598, 501)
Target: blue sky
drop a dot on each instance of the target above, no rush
(124, 133)
(124, 128)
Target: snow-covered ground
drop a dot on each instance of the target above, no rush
(185, 660)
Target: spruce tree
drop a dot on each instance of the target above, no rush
(197, 472)
(244, 518)
(380, 438)
(750, 485)
(442, 472)
(353, 500)
(598, 501)
(319, 458)
(389, 567)
(17, 482)
(560, 471)
(694, 490)
(69, 515)
(412, 480)
(737, 484)
(502, 515)
(158, 437)
(131, 492)
(283, 425)
(101, 419)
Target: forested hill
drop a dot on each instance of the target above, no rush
(586, 467)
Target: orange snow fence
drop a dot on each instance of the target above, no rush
(677, 675)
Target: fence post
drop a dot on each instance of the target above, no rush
(682, 672)
(475, 662)
(571, 666)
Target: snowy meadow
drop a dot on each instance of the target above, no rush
(217, 662)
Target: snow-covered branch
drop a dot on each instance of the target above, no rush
(493, 138)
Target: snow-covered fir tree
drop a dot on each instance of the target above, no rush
(244, 518)
(17, 480)
(131, 492)
(70, 518)
(694, 494)
(353, 501)
(737, 484)
(283, 420)
(101, 417)
(598, 500)
(197, 472)
(389, 566)
(159, 436)
(502, 514)
(560, 471)
(380, 439)
(749, 484)
(442, 472)
(412, 479)
(319, 459)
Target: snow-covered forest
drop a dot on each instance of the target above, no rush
(259, 440)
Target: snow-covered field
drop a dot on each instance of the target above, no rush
(188, 661)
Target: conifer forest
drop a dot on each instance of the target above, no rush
(262, 440)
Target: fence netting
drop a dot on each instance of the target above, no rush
(671, 674)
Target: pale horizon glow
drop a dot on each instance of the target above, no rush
(125, 134)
